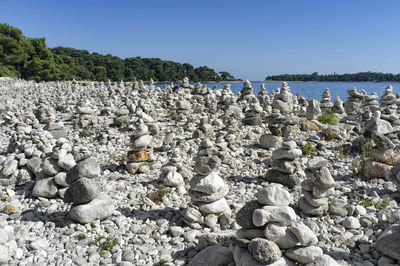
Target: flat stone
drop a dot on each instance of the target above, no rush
(310, 210)
(286, 154)
(284, 214)
(216, 207)
(304, 255)
(88, 168)
(274, 195)
(289, 180)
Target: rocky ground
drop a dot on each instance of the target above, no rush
(131, 174)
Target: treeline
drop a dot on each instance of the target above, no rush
(30, 58)
(362, 76)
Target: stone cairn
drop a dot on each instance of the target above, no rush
(326, 104)
(253, 113)
(369, 105)
(338, 106)
(139, 158)
(270, 233)
(317, 188)
(382, 157)
(313, 110)
(388, 106)
(89, 202)
(286, 168)
(283, 100)
(264, 99)
(170, 173)
(207, 192)
(246, 92)
(183, 108)
(353, 104)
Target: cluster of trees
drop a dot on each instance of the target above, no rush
(30, 58)
(362, 76)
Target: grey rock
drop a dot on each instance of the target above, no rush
(304, 255)
(98, 209)
(67, 162)
(50, 167)
(88, 168)
(244, 217)
(289, 180)
(281, 235)
(388, 241)
(215, 255)
(304, 234)
(82, 191)
(264, 251)
(45, 188)
(283, 214)
(249, 233)
(215, 207)
(274, 195)
(351, 223)
(282, 153)
(209, 184)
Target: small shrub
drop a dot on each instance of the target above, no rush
(340, 153)
(382, 205)
(108, 244)
(80, 237)
(309, 150)
(328, 118)
(171, 114)
(367, 202)
(347, 127)
(359, 162)
(160, 262)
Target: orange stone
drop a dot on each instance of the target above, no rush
(138, 155)
(10, 209)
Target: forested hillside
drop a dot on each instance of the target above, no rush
(30, 58)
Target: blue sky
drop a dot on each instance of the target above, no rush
(250, 39)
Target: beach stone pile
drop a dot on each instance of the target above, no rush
(326, 103)
(253, 113)
(283, 101)
(338, 106)
(317, 188)
(170, 173)
(313, 109)
(285, 165)
(139, 157)
(353, 104)
(271, 234)
(388, 106)
(377, 125)
(247, 91)
(264, 99)
(207, 192)
(89, 202)
(382, 158)
(369, 105)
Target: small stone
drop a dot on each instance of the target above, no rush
(176, 231)
(304, 255)
(304, 234)
(264, 251)
(66, 162)
(45, 188)
(82, 191)
(351, 223)
(10, 209)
